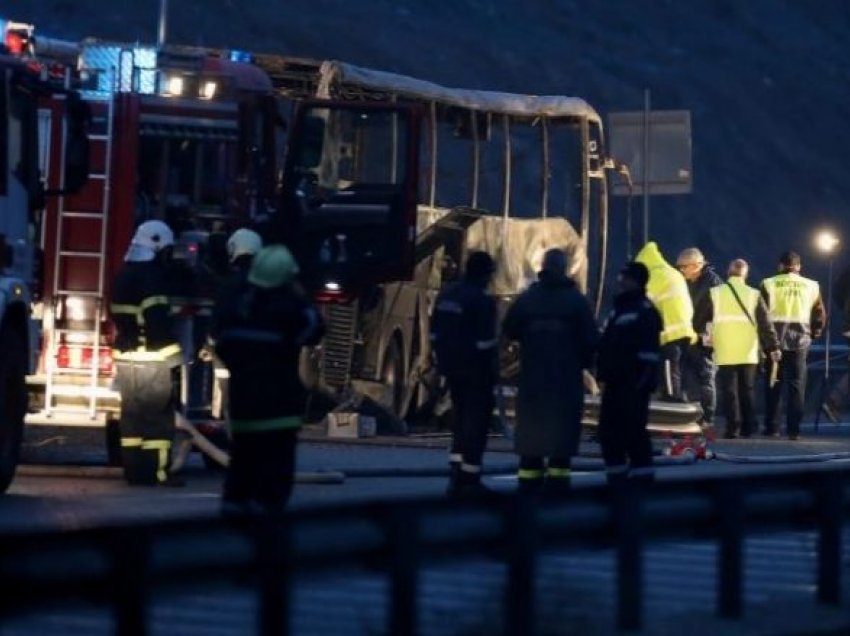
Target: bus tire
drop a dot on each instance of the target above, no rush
(13, 401)
(392, 377)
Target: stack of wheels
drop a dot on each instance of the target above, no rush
(677, 418)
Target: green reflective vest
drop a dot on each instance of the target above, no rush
(668, 292)
(734, 336)
(791, 298)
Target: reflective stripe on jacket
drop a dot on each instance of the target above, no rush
(734, 334)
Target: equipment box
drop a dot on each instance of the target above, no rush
(350, 425)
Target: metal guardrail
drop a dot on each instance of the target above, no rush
(120, 565)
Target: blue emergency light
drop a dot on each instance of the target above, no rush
(241, 56)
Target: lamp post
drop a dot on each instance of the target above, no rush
(826, 242)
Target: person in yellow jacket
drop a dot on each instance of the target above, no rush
(668, 292)
(798, 315)
(739, 326)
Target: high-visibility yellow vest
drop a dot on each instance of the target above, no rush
(734, 336)
(791, 298)
(668, 292)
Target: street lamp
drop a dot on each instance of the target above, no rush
(826, 242)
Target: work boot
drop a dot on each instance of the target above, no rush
(556, 486)
(530, 487)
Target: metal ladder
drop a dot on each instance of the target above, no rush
(54, 387)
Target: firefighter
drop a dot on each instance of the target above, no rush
(668, 292)
(798, 315)
(699, 369)
(739, 322)
(147, 356)
(242, 246)
(628, 370)
(463, 338)
(557, 333)
(260, 327)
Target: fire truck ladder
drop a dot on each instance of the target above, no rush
(55, 386)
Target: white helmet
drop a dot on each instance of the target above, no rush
(150, 237)
(243, 242)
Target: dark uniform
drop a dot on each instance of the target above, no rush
(463, 337)
(628, 367)
(554, 325)
(259, 332)
(147, 362)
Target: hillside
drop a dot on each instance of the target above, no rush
(767, 82)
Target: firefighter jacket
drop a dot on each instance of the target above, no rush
(699, 291)
(739, 328)
(463, 333)
(668, 292)
(556, 331)
(629, 347)
(141, 313)
(796, 309)
(258, 335)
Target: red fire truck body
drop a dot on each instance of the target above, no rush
(176, 134)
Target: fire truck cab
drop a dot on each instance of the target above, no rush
(21, 197)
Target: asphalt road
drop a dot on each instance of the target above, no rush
(577, 588)
(65, 482)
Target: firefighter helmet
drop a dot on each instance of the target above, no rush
(150, 238)
(273, 266)
(243, 242)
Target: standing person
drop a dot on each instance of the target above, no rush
(463, 337)
(242, 246)
(698, 366)
(628, 370)
(739, 323)
(668, 292)
(557, 334)
(260, 327)
(798, 315)
(147, 357)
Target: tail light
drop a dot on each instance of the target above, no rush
(80, 357)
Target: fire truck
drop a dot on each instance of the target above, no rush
(171, 133)
(190, 136)
(21, 196)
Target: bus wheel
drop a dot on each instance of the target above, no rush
(113, 442)
(392, 377)
(13, 401)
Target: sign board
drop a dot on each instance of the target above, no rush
(669, 144)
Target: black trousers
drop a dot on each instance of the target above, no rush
(148, 399)
(262, 469)
(672, 359)
(625, 442)
(698, 374)
(791, 378)
(472, 407)
(737, 385)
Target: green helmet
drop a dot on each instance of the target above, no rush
(273, 266)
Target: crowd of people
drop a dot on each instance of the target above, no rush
(669, 328)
